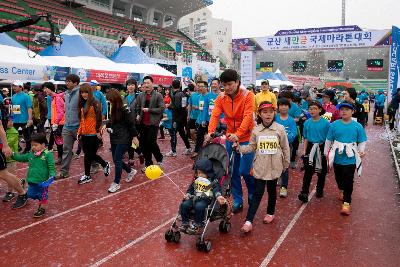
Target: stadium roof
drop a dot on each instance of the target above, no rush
(175, 7)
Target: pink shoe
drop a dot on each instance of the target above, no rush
(268, 218)
(247, 227)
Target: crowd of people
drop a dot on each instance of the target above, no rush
(263, 132)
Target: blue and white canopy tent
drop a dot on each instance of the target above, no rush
(76, 52)
(18, 63)
(132, 59)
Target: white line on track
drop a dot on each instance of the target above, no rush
(132, 243)
(85, 205)
(285, 233)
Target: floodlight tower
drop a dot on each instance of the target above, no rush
(343, 12)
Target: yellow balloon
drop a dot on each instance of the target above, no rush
(153, 172)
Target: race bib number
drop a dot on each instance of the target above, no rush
(202, 185)
(210, 109)
(184, 102)
(201, 105)
(16, 109)
(327, 116)
(268, 145)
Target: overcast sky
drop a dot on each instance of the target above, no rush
(256, 18)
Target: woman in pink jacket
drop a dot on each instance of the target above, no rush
(57, 116)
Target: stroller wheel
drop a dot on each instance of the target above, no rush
(207, 246)
(224, 227)
(169, 235)
(176, 237)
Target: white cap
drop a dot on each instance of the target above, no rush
(275, 90)
(5, 89)
(18, 83)
(94, 82)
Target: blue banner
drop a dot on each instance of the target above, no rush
(394, 61)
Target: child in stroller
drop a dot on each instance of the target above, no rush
(199, 195)
(207, 198)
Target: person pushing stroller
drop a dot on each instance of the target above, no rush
(200, 194)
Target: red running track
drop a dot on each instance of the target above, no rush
(84, 225)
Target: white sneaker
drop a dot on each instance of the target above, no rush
(187, 151)
(171, 154)
(114, 187)
(130, 176)
(84, 179)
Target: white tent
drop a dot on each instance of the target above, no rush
(18, 63)
(76, 52)
(131, 58)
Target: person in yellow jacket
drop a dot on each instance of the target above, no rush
(265, 95)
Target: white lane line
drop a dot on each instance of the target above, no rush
(84, 205)
(396, 163)
(285, 233)
(132, 243)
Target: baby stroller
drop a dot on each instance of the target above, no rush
(217, 154)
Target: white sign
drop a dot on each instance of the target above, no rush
(322, 40)
(247, 68)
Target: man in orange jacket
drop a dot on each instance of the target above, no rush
(237, 105)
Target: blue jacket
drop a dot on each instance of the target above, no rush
(71, 108)
(380, 100)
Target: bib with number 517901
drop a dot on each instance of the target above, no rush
(267, 145)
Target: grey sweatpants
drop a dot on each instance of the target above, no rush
(69, 138)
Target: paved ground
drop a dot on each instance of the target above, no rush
(85, 225)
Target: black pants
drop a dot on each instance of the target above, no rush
(310, 170)
(90, 144)
(378, 112)
(162, 135)
(39, 125)
(58, 131)
(293, 152)
(201, 132)
(26, 132)
(148, 144)
(179, 127)
(344, 175)
(259, 189)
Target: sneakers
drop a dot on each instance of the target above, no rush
(130, 176)
(187, 151)
(107, 169)
(75, 156)
(114, 187)
(341, 195)
(345, 209)
(247, 227)
(237, 208)
(39, 213)
(62, 176)
(283, 192)
(20, 202)
(194, 229)
(85, 179)
(9, 196)
(268, 218)
(194, 155)
(293, 165)
(171, 154)
(160, 164)
(319, 194)
(303, 197)
(143, 170)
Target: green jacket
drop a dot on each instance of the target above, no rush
(12, 140)
(41, 167)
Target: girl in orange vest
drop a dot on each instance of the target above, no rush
(89, 131)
